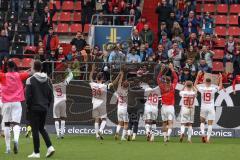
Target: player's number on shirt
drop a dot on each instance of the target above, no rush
(59, 92)
(207, 97)
(188, 101)
(153, 98)
(96, 92)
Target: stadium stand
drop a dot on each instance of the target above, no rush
(212, 18)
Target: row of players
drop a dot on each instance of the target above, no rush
(12, 109)
(165, 90)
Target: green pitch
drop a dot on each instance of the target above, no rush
(87, 148)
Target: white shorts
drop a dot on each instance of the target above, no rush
(187, 115)
(151, 114)
(12, 112)
(122, 115)
(59, 110)
(99, 112)
(208, 113)
(167, 112)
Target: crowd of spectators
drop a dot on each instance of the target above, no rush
(185, 39)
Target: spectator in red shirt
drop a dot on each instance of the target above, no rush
(140, 24)
(51, 41)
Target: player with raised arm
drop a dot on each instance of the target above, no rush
(207, 113)
(12, 96)
(122, 114)
(188, 95)
(167, 89)
(99, 100)
(236, 80)
(59, 107)
(152, 95)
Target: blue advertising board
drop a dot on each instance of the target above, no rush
(111, 34)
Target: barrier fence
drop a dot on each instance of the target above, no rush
(79, 105)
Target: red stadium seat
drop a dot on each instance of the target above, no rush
(233, 31)
(220, 31)
(219, 54)
(77, 16)
(198, 8)
(30, 49)
(220, 42)
(27, 62)
(209, 1)
(55, 17)
(222, 8)
(62, 28)
(233, 20)
(208, 8)
(234, 8)
(86, 28)
(78, 6)
(74, 28)
(65, 17)
(67, 6)
(218, 67)
(58, 5)
(221, 19)
(17, 61)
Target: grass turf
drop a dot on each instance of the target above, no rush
(87, 148)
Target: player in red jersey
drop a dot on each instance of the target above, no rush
(167, 89)
(236, 80)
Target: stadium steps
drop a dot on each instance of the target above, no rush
(149, 12)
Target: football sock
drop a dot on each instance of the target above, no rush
(62, 127)
(169, 132)
(102, 126)
(7, 134)
(134, 135)
(164, 135)
(147, 126)
(118, 129)
(57, 127)
(96, 126)
(202, 128)
(154, 127)
(182, 129)
(129, 132)
(2, 126)
(16, 132)
(209, 132)
(189, 133)
(124, 132)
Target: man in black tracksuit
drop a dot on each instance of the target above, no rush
(39, 97)
(135, 110)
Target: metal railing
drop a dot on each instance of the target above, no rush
(81, 70)
(129, 20)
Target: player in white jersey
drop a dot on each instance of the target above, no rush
(152, 95)
(59, 107)
(122, 114)
(188, 95)
(99, 100)
(207, 113)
